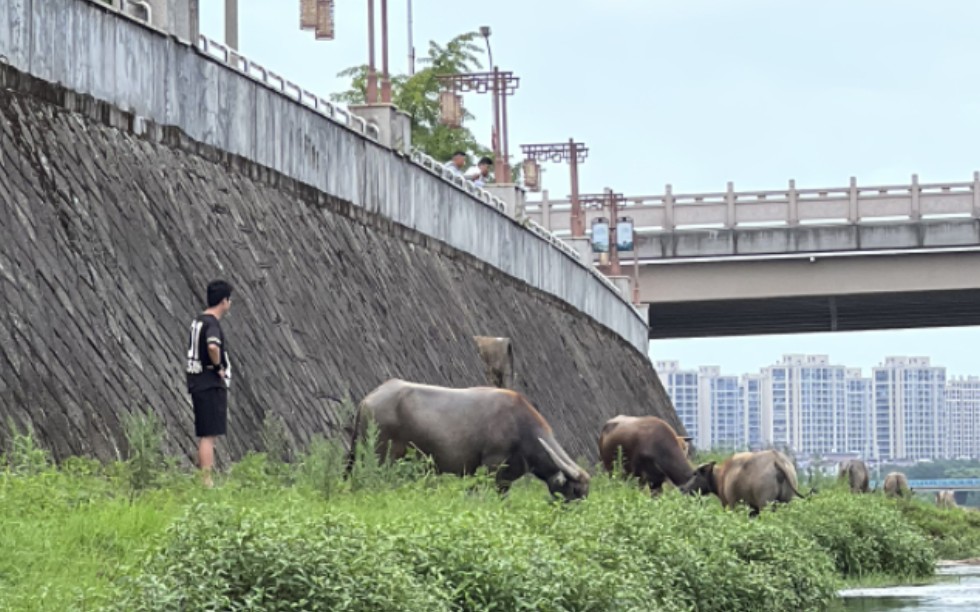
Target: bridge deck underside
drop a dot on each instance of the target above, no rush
(854, 312)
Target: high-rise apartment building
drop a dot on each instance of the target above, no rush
(859, 420)
(910, 409)
(682, 387)
(721, 409)
(963, 417)
(805, 397)
(751, 390)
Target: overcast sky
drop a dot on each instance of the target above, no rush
(699, 92)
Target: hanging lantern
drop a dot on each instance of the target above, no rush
(307, 14)
(450, 109)
(532, 175)
(324, 20)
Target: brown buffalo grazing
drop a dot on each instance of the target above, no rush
(856, 473)
(945, 499)
(651, 450)
(897, 485)
(756, 478)
(464, 429)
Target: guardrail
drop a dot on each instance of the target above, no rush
(253, 70)
(272, 80)
(787, 208)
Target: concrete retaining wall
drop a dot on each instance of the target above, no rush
(107, 240)
(91, 50)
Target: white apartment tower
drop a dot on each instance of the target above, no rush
(909, 409)
(963, 417)
(805, 397)
(682, 387)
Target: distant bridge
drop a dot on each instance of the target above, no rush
(800, 260)
(941, 484)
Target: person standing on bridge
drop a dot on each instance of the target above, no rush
(480, 173)
(209, 375)
(456, 163)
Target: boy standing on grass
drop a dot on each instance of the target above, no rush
(209, 375)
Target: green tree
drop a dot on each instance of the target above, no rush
(418, 95)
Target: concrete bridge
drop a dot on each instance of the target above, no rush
(797, 260)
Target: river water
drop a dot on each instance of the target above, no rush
(958, 589)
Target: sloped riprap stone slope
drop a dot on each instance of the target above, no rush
(110, 230)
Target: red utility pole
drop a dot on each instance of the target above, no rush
(372, 75)
(385, 79)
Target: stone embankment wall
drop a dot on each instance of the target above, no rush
(108, 238)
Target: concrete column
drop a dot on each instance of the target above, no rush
(669, 208)
(976, 195)
(644, 311)
(512, 195)
(545, 210)
(394, 126)
(794, 204)
(730, 220)
(624, 284)
(916, 212)
(853, 215)
(583, 245)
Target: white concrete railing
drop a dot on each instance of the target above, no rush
(257, 72)
(788, 208)
(338, 114)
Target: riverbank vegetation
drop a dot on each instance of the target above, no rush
(143, 534)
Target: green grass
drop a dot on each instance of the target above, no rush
(297, 536)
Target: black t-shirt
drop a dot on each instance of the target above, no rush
(201, 373)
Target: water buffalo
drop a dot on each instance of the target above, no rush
(651, 449)
(897, 485)
(945, 499)
(856, 473)
(756, 478)
(464, 429)
(498, 360)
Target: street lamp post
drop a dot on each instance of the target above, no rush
(231, 24)
(612, 200)
(501, 84)
(574, 153)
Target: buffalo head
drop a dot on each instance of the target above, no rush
(703, 481)
(569, 480)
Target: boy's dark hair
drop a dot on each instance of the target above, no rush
(463, 153)
(217, 291)
(486, 160)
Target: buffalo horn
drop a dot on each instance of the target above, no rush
(571, 470)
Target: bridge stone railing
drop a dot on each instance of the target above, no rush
(791, 207)
(226, 101)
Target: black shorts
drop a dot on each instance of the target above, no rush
(210, 412)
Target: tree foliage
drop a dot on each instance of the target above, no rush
(418, 95)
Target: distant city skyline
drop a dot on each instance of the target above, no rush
(906, 407)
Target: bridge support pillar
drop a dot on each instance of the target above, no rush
(394, 126)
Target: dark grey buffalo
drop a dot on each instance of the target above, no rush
(464, 429)
(856, 473)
